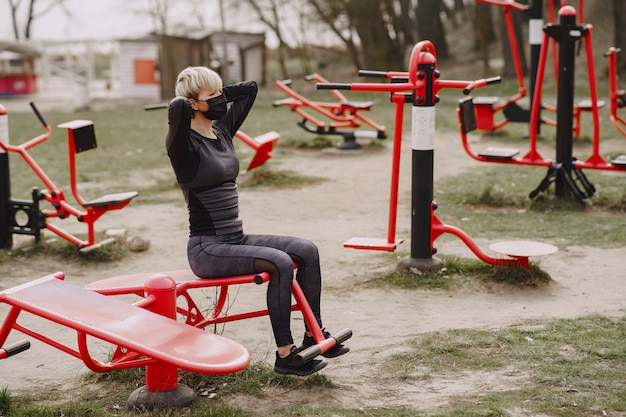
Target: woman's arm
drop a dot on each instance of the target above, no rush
(242, 96)
(179, 115)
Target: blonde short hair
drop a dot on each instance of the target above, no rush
(192, 79)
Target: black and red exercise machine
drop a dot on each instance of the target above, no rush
(565, 171)
(486, 107)
(26, 217)
(590, 105)
(419, 86)
(342, 117)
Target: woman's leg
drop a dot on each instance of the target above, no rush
(213, 260)
(306, 255)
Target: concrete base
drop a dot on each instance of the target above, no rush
(420, 264)
(141, 399)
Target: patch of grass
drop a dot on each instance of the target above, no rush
(456, 270)
(575, 367)
(494, 202)
(265, 177)
(6, 401)
(251, 380)
(64, 250)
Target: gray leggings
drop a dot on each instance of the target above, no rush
(241, 254)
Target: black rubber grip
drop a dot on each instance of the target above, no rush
(17, 347)
(343, 335)
(307, 355)
(39, 116)
(369, 73)
(310, 353)
(333, 86)
(155, 106)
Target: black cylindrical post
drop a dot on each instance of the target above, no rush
(566, 34)
(6, 238)
(423, 148)
(535, 38)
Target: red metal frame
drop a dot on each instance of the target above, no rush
(262, 146)
(532, 157)
(487, 108)
(89, 212)
(146, 333)
(581, 107)
(146, 339)
(617, 97)
(595, 160)
(343, 114)
(186, 280)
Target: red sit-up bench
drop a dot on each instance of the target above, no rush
(186, 280)
(142, 337)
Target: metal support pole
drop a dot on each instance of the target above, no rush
(162, 389)
(6, 237)
(535, 37)
(566, 34)
(423, 150)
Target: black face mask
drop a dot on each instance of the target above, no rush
(217, 107)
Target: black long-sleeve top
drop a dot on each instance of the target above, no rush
(206, 169)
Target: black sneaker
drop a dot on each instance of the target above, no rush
(286, 365)
(337, 350)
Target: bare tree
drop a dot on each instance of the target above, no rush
(333, 14)
(158, 11)
(430, 26)
(483, 31)
(34, 10)
(267, 12)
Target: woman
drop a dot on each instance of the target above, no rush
(200, 146)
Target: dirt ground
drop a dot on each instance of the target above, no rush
(352, 202)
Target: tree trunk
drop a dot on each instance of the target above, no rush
(330, 16)
(366, 16)
(430, 27)
(484, 32)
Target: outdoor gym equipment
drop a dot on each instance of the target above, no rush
(587, 105)
(25, 217)
(186, 280)
(344, 115)
(486, 107)
(419, 87)
(618, 97)
(144, 334)
(565, 171)
(143, 338)
(262, 145)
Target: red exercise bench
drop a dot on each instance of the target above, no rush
(186, 280)
(142, 337)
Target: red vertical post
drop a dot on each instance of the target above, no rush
(162, 290)
(162, 389)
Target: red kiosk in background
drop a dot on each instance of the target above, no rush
(17, 69)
